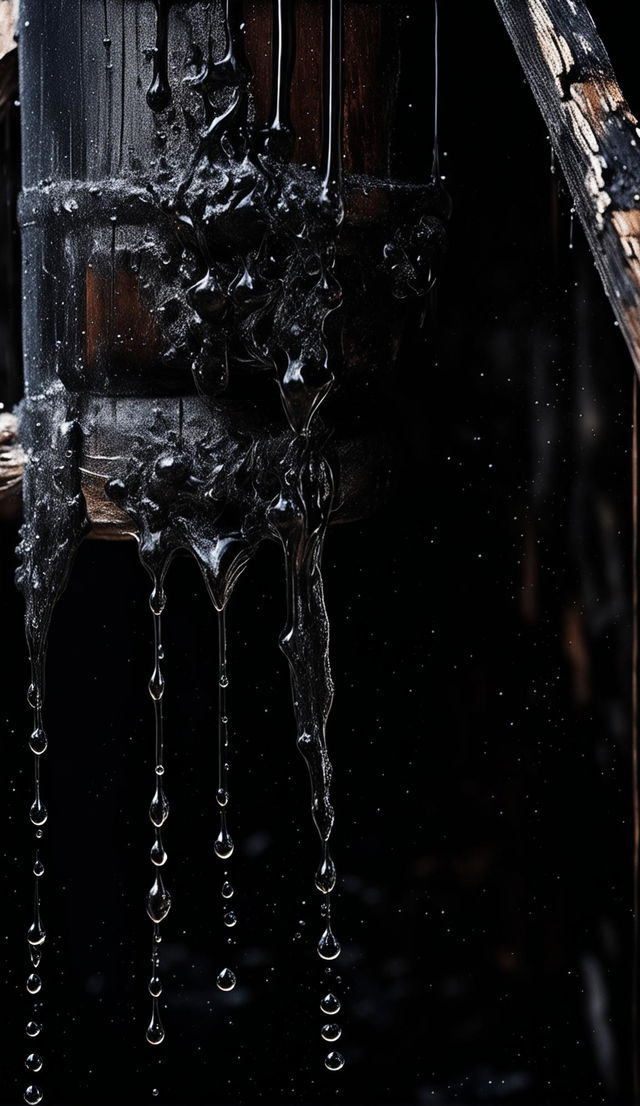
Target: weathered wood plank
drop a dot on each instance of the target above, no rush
(595, 137)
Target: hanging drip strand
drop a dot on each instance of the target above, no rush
(435, 165)
(332, 131)
(158, 898)
(300, 516)
(280, 130)
(223, 846)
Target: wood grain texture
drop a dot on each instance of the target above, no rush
(371, 61)
(595, 137)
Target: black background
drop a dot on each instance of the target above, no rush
(480, 731)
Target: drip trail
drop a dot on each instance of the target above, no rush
(223, 846)
(158, 898)
(54, 524)
(36, 935)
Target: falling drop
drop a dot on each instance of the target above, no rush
(156, 685)
(334, 1061)
(326, 875)
(38, 868)
(33, 1095)
(331, 1032)
(227, 890)
(330, 1004)
(36, 934)
(229, 919)
(33, 1029)
(223, 845)
(222, 797)
(158, 901)
(155, 986)
(34, 984)
(38, 742)
(328, 945)
(159, 808)
(33, 1062)
(226, 980)
(158, 855)
(38, 811)
(155, 1030)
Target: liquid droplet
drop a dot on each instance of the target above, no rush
(226, 980)
(155, 986)
(33, 1095)
(229, 919)
(38, 742)
(158, 901)
(330, 1004)
(33, 1062)
(227, 891)
(38, 868)
(223, 845)
(334, 1061)
(331, 1032)
(222, 797)
(157, 600)
(34, 956)
(34, 984)
(155, 1031)
(328, 945)
(159, 809)
(158, 855)
(38, 812)
(326, 876)
(33, 1029)
(156, 685)
(36, 934)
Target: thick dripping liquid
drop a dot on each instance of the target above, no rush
(159, 92)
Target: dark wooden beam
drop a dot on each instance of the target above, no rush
(594, 135)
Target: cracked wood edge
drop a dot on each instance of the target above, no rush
(595, 137)
(8, 17)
